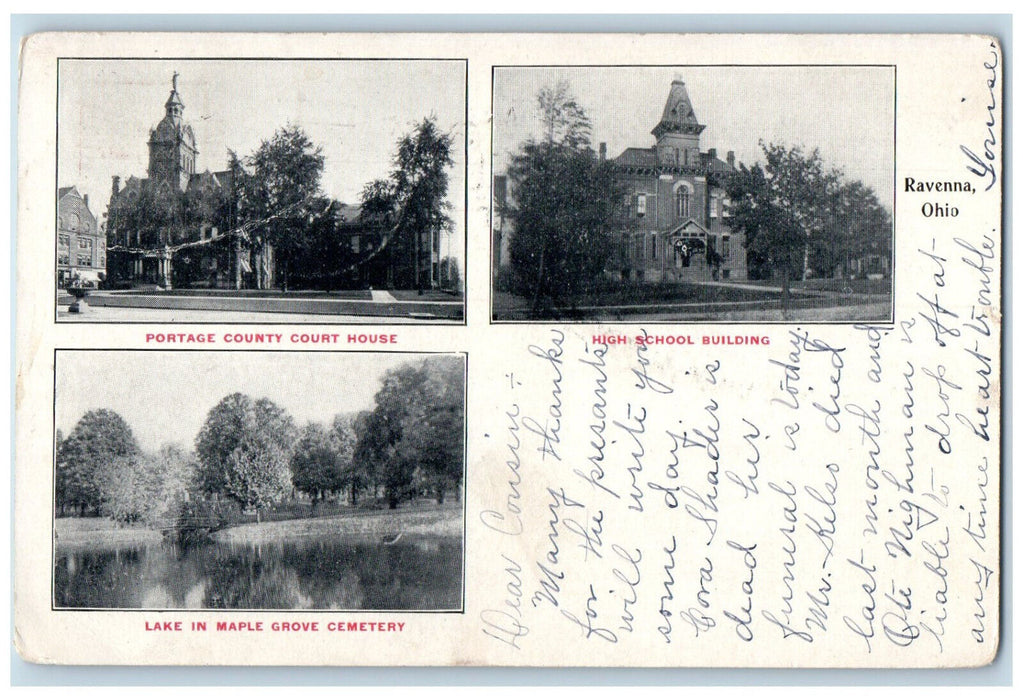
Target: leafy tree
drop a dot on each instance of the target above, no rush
(433, 431)
(315, 464)
(378, 202)
(256, 473)
(421, 185)
(450, 277)
(416, 428)
(176, 472)
(244, 450)
(149, 487)
(322, 253)
(773, 237)
(382, 432)
(368, 450)
(565, 121)
(131, 488)
(343, 439)
(781, 208)
(565, 203)
(800, 217)
(284, 178)
(151, 216)
(858, 225)
(85, 459)
(411, 206)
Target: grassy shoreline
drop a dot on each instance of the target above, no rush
(443, 521)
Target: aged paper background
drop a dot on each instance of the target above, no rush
(833, 504)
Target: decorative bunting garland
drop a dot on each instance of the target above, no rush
(241, 231)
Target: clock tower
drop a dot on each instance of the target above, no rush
(172, 150)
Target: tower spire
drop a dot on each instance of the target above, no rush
(175, 107)
(678, 116)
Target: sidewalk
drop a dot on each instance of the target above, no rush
(381, 305)
(379, 295)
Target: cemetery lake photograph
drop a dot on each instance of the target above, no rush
(252, 480)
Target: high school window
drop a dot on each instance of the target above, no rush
(682, 200)
(65, 241)
(64, 259)
(653, 247)
(85, 259)
(726, 247)
(639, 246)
(641, 206)
(713, 206)
(85, 243)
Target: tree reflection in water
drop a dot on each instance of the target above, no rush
(417, 573)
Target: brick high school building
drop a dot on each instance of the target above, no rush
(675, 222)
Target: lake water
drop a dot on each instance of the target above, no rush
(415, 573)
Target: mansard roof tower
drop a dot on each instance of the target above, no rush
(172, 149)
(678, 132)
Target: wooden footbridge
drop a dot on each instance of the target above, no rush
(189, 526)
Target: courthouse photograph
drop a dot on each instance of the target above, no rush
(745, 194)
(256, 190)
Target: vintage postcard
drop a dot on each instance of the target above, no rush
(509, 350)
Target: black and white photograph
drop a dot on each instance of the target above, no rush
(693, 193)
(292, 191)
(253, 480)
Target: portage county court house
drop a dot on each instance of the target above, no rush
(147, 258)
(194, 251)
(674, 224)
